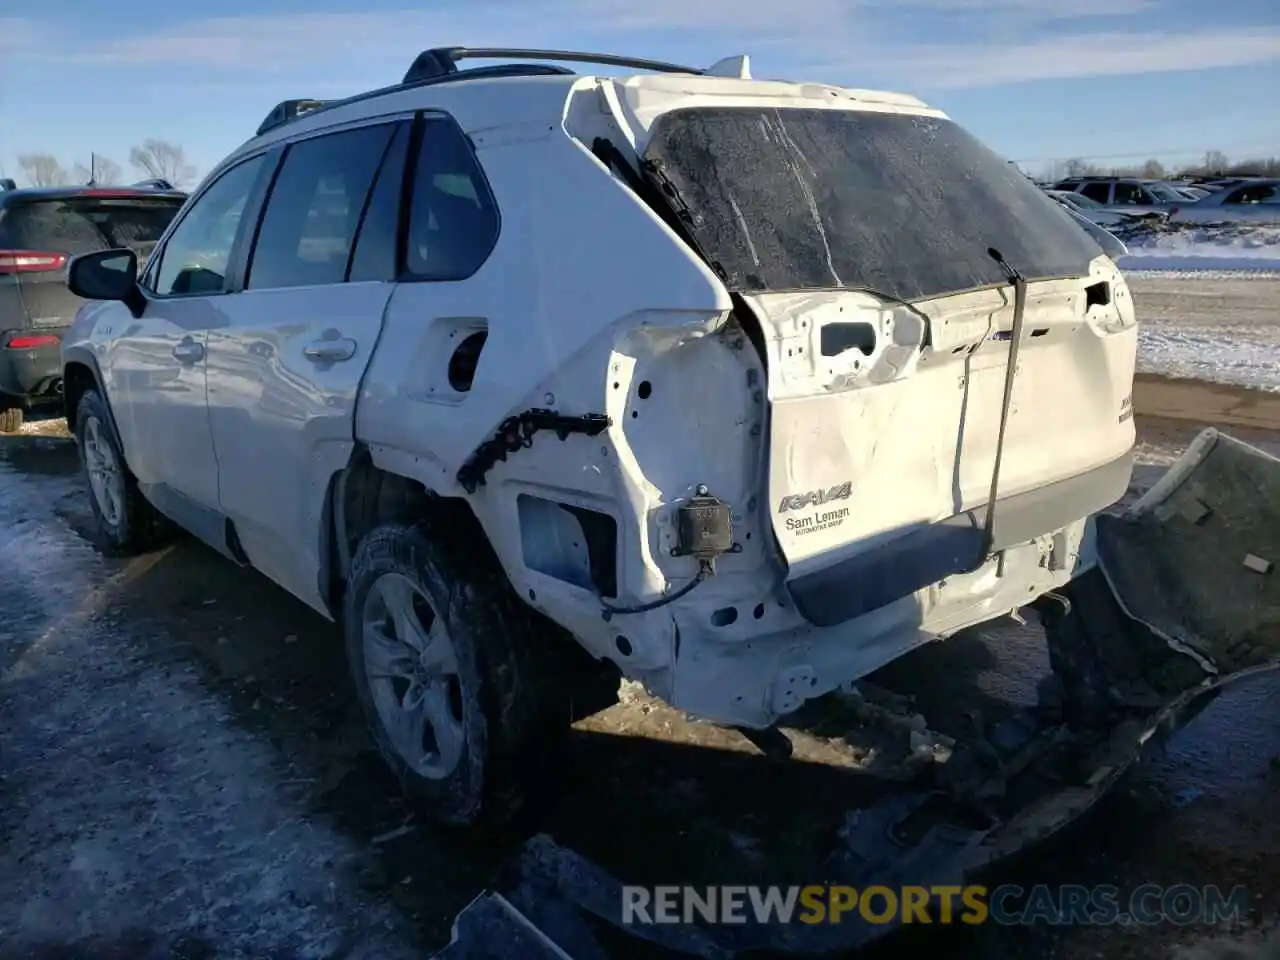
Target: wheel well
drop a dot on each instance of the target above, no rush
(77, 379)
(364, 496)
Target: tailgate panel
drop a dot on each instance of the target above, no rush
(863, 455)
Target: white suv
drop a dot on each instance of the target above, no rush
(724, 379)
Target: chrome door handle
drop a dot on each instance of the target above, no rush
(188, 351)
(329, 351)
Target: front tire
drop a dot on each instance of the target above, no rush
(440, 655)
(125, 524)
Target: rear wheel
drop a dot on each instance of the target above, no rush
(125, 523)
(10, 419)
(441, 656)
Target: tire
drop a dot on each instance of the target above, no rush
(125, 524)
(10, 420)
(471, 763)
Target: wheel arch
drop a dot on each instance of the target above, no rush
(363, 496)
(80, 374)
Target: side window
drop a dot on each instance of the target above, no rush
(1128, 193)
(314, 208)
(195, 257)
(453, 219)
(1098, 191)
(375, 254)
(1254, 193)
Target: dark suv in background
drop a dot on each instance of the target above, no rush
(40, 231)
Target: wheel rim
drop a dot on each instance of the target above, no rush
(412, 668)
(104, 472)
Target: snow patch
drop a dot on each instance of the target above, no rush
(1246, 357)
(1223, 248)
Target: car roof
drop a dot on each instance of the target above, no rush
(535, 92)
(73, 192)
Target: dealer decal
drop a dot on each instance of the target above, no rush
(820, 519)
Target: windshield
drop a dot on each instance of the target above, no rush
(83, 224)
(1164, 192)
(1080, 200)
(793, 199)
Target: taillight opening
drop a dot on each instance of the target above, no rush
(31, 261)
(32, 341)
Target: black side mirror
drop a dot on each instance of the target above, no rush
(107, 275)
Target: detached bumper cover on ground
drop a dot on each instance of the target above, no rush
(1187, 601)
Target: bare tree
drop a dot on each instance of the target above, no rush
(42, 169)
(167, 161)
(1076, 167)
(1153, 170)
(102, 170)
(1215, 161)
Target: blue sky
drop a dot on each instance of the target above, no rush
(1036, 79)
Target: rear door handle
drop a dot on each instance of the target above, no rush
(188, 351)
(329, 351)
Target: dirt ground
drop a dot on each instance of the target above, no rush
(183, 772)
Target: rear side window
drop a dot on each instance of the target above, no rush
(453, 220)
(375, 254)
(1097, 191)
(84, 224)
(315, 208)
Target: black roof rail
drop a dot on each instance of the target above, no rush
(440, 65)
(440, 62)
(288, 110)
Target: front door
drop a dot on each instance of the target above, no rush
(285, 371)
(155, 365)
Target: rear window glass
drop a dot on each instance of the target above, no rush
(799, 198)
(83, 224)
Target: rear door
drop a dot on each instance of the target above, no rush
(39, 236)
(285, 369)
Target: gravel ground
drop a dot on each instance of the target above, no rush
(183, 772)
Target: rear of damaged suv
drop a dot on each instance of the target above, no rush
(809, 477)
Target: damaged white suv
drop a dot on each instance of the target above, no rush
(748, 387)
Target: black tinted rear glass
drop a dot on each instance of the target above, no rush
(791, 199)
(83, 224)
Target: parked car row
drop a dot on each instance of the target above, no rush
(1113, 200)
(41, 230)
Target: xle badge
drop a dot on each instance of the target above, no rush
(1126, 409)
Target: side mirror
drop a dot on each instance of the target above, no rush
(107, 275)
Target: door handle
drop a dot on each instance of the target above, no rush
(329, 351)
(188, 351)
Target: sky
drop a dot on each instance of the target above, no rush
(1038, 80)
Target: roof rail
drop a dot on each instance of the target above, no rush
(443, 61)
(288, 110)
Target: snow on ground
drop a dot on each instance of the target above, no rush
(1218, 248)
(1246, 357)
(1223, 327)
